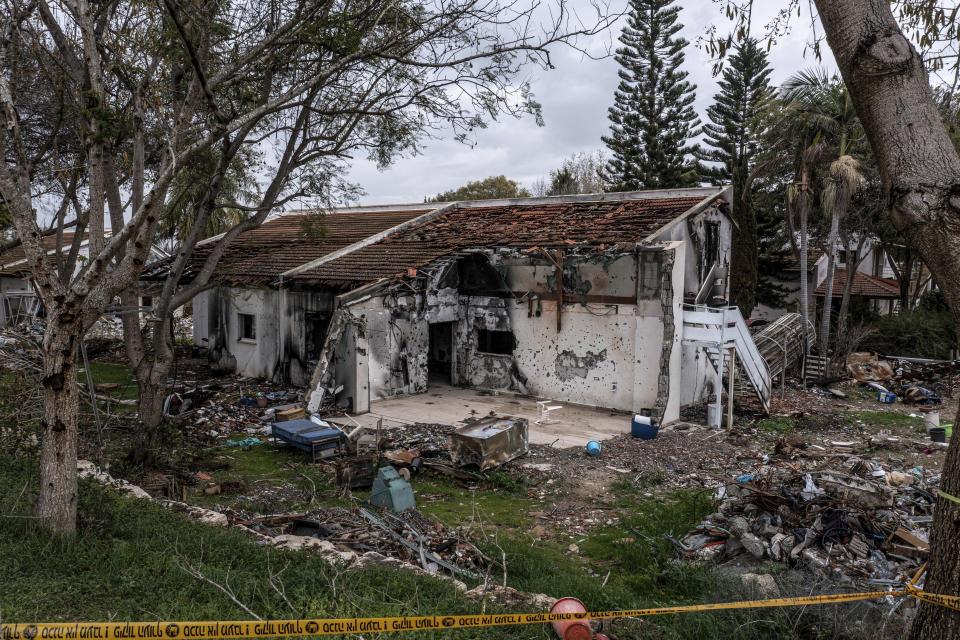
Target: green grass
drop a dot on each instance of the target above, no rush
(881, 419)
(132, 560)
(455, 505)
(106, 372)
(781, 424)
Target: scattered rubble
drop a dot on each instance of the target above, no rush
(858, 519)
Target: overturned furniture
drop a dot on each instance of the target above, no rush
(490, 442)
(392, 492)
(319, 440)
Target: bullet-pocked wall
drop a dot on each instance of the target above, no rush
(609, 354)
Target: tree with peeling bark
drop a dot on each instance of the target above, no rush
(889, 83)
(156, 86)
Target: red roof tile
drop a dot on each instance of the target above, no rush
(863, 285)
(260, 255)
(585, 223)
(12, 261)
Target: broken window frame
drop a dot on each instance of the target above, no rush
(246, 334)
(484, 346)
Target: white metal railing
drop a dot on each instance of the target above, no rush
(719, 329)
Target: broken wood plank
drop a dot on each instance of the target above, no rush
(909, 538)
(909, 552)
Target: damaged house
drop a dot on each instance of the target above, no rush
(573, 298)
(252, 321)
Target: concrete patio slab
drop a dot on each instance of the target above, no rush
(443, 404)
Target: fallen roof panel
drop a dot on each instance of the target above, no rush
(515, 225)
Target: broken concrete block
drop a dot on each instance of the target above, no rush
(867, 494)
(213, 518)
(309, 543)
(764, 583)
(739, 526)
(87, 469)
(511, 599)
(753, 545)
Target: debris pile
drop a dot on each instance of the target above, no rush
(861, 521)
(409, 536)
(20, 347)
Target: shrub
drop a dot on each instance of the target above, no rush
(921, 333)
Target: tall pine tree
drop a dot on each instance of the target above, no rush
(737, 122)
(652, 119)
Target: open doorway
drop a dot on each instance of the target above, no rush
(440, 354)
(315, 333)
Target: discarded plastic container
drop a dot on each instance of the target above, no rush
(949, 429)
(644, 427)
(938, 434)
(593, 448)
(886, 397)
(931, 419)
(571, 629)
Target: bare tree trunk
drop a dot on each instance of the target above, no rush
(57, 507)
(921, 174)
(831, 271)
(152, 377)
(904, 279)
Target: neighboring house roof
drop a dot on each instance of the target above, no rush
(261, 255)
(791, 263)
(600, 219)
(13, 261)
(863, 285)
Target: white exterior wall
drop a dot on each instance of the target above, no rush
(216, 325)
(606, 355)
(279, 350)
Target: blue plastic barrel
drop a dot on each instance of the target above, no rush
(644, 427)
(593, 448)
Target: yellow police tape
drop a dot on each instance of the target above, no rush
(332, 626)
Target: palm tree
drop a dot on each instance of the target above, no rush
(820, 104)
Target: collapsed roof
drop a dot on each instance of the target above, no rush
(361, 245)
(261, 255)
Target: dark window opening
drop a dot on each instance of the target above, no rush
(496, 342)
(247, 326)
(315, 326)
(712, 249)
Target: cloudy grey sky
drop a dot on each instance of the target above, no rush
(575, 97)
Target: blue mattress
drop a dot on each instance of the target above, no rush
(307, 435)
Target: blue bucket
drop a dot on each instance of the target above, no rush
(593, 448)
(644, 427)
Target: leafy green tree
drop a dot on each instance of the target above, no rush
(652, 119)
(491, 188)
(824, 104)
(563, 183)
(580, 173)
(189, 187)
(733, 138)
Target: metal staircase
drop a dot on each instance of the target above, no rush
(717, 330)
